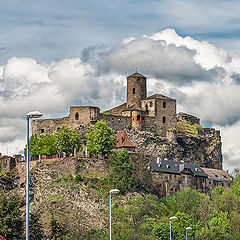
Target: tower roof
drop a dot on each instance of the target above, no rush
(136, 74)
(133, 107)
(160, 96)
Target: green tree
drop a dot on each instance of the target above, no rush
(35, 227)
(100, 139)
(185, 201)
(236, 186)
(217, 228)
(47, 145)
(67, 141)
(11, 223)
(34, 147)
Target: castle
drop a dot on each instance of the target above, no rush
(156, 111)
(178, 157)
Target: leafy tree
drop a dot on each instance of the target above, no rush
(121, 170)
(100, 139)
(236, 186)
(35, 227)
(185, 201)
(218, 228)
(33, 146)
(47, 145)
(11, 223)
(161, 230)
(67, 141)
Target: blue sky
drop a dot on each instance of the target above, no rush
(49, 30)
(56, 53)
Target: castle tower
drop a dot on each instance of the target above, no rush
(136, 89)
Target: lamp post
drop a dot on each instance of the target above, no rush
(171, 218)
(188, 228)
(112, 191)
(29, 115)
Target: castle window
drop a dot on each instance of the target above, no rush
(134, 90)
(164, 119)
(42, 130)
(138, 117)
(151, 104)
(76, 116)
(164, 104)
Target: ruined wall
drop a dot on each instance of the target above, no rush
(116, 110)
(79, 116)
(188, 118)
(116, 122)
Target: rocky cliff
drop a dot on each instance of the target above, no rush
(188, 142)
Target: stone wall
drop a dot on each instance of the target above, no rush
(116, 110)
(79, 116)
(136, 89)
(116, 122)
(188, 118)
(149, 106)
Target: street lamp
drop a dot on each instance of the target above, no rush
(188, 228)
(171, 218)
(29, 115)
(112, 191)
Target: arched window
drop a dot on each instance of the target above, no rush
(164, 104)
(76, 116)
(151, 104)
(138, 117)
(164, 119)
(134, 90)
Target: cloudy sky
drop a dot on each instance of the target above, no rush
(56, 53)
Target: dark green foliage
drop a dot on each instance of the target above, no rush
(100, 139)
(11, 223)
(121, 171)
(161, 230)
(186, 201)
(64, 141)
(79, 178)
(35, 227)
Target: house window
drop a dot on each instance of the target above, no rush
(151, 104)
(42, 130)
(164, 104)
(76, 116)
(164, 119)
(134, 90)
(138, 117)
